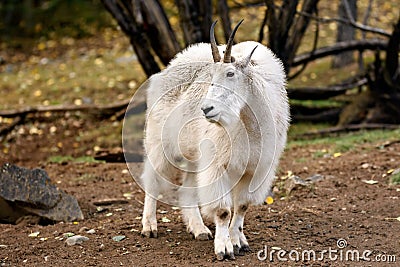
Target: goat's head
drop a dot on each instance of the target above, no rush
(229, 90)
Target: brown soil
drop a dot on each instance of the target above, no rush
(340, 206)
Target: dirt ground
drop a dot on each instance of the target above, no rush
(342, 206)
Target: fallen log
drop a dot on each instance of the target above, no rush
(92, 108)
(317, 93)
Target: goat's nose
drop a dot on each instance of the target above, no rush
(207, 109)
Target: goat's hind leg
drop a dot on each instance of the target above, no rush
(240, 206)
(149, 183)
(239, 241)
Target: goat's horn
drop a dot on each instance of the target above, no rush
(214, 47)
(227, 56)
(246, 61)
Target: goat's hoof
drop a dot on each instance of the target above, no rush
(238, 251)
(245, 248)
(221, 256)
(150, 234)
(231, 256)
(204, 237)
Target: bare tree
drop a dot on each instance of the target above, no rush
(195, 20)
(286, 30)
(285, 25)
(345, 32)
(123, 13)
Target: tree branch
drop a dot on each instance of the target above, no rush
(356, 25)
(316, 93)
(96, 109)
(369, 44)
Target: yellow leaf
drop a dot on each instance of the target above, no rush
(41, 46)
(37, 93)
(337, 154)
(78, 102)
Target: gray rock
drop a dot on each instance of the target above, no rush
(295, 181)
(118, 238)
(24, 192)
(76, 239)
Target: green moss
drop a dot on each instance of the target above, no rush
(395, 178)
(64, 159)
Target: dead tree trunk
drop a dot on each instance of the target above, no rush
(286, 30)
(122, 11)
(381, 103)
(151, 18)
(195, 20)
(223, 11)
(345, 32)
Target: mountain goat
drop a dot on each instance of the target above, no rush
(215, 129)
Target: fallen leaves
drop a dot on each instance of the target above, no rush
(337, 154)
(165, 220)
(269, 200)
(370, 182)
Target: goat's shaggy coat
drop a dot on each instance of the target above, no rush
(220, 127)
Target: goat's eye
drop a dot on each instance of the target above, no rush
(230, 74)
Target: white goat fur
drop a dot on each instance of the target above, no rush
(236, 169)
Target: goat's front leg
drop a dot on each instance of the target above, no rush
(149, 219)
(222, 242)
(215, 199)
(189, 202)
(239, 241)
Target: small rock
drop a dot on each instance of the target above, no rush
(365, 166)
(3, 246)
(91, 231)
(76, 239)
(118, 238)
(101, 247)
(34, 234)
